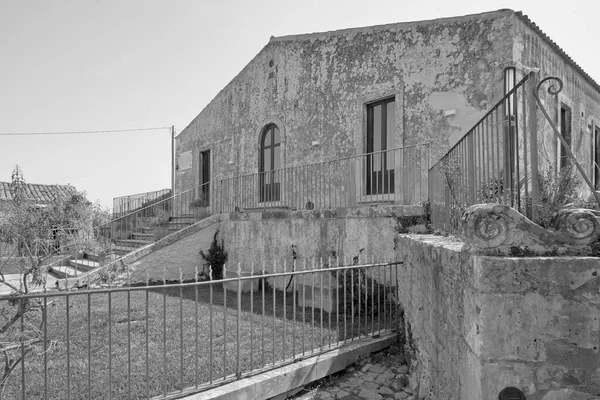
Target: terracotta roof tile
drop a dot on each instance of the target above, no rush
(38, 192)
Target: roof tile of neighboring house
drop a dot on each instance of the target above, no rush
(38, 192)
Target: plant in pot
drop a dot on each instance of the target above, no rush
(215, 257)
(200, 206)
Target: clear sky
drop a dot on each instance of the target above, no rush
(85, 65)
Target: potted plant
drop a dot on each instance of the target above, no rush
(200, 206)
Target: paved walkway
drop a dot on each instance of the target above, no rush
(380, 376)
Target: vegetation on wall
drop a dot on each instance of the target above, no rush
(557, 189)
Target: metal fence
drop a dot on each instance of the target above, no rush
(127, 204)
(391, 176)
(491, 163)
(173, 339)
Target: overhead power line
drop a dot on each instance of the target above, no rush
(81, 132)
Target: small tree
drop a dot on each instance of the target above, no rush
(216, 257)
(33, 235)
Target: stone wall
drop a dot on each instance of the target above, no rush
(483, 323)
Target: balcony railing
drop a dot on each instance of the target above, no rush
(127, 204)
(395, 176)
(491, 163)
(170, 340)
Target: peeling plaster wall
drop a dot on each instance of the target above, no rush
(481, 324)
(268, 237)
(315, 87)
(581, 96)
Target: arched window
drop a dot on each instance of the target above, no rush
(270, 164)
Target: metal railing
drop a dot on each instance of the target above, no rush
(127, 204)
(157, 219)
(391, 176)
(492, 163)
(395, 176)
(169, 340)
(596, 175)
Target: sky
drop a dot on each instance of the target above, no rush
(86, 65)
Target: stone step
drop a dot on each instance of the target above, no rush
(142, 236)
(133, 242)
(122, 250)
(84, 265)
(63, 271)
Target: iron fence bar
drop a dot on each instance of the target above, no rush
(337, 303)
(284, 308)
(345, 305)
(224, 328)
(45, 322)
(303, 306)
(274, 308)
(239, 322)
(147, 345)
(329, 313)
(372, 302)
(210, 325)
(22, 340)
(321, 296)
(128, 345)
(262, 321)
(196, 333)
(252, 319)
(180, 329)
(352, 304)
(312, 328)
(110, 345)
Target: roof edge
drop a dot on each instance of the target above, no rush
(346, 31)
(557, 48)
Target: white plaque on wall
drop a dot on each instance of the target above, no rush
(184, 160)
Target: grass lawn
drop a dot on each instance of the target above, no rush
(184, 328)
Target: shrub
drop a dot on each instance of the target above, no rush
(216, 257)
(557, 189)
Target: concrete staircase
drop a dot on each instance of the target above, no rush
(147, 235)
(73, 268)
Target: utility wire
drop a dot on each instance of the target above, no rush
(80, 132)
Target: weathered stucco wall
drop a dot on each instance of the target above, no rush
(315, 88)
(268, 237)
(485, 323)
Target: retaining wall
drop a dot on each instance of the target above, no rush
(482, 323)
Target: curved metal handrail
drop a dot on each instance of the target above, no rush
(554, 91)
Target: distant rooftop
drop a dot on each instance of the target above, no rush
(38, 192)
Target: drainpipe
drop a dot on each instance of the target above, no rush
(172, 160)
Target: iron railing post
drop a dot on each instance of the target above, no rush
(533, 147)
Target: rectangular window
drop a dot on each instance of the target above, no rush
(381, 120)
(204, 174)
(565, 131)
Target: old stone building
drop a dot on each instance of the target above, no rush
(316, 97)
